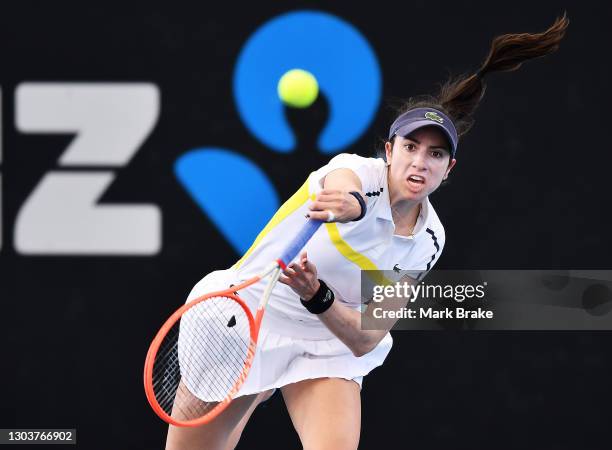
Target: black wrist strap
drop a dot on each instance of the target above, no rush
(321, 301)
(362, 203)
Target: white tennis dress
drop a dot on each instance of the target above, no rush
(294, 344)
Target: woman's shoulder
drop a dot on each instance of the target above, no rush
(433, 225)
(369, 170)
(355, 160)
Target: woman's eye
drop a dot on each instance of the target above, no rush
(436, 154)
(410, 147)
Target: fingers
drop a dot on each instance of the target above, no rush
(306, 266)
(329, 192)
(327, 199)
(289, 270)
(300, 276)
(325, 209)
(285, 280)
(334, 206)
(319, 205)
(293, 278)
(309, 267)
(319, 215)
(289, 276)
(298, 269)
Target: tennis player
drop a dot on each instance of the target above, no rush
(378, 216)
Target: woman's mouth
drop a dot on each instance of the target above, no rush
(416, 183)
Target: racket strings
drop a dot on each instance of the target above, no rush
(169, 387)
(167, 383)
(219, 346)
(202, 359)
(168, 347)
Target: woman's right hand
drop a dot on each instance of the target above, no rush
(332, 205)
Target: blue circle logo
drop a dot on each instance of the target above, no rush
(348, 75)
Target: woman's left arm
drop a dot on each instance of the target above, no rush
(343, 321)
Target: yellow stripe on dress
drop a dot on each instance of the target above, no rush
(289, 207)
(360, 260)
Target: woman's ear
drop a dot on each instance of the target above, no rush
(388, 148)
(451, 164)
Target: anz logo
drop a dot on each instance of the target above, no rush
(110, 121)
(61, 216)
(348, 74)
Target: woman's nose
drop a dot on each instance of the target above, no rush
(418, 160)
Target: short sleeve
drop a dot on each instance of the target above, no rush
(435, 239)
(369, 171)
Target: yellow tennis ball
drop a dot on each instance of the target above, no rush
(298, 88)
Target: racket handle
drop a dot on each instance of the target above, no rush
(299, 241)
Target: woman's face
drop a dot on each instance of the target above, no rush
(418, 164)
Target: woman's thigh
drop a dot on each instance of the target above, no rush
(222, 433)
(326, 412)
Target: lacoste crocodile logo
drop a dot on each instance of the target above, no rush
(431, 115)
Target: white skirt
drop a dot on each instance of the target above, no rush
(282, 358)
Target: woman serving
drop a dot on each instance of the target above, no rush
(377, 216)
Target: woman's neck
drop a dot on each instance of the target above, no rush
(404, 212)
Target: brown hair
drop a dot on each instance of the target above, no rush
(459, 97)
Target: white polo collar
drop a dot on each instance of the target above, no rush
(383, 211)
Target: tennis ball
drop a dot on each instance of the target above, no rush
(298, 88)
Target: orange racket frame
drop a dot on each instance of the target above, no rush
(274, 271)
(254, 324)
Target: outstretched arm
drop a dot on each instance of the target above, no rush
(344, 322)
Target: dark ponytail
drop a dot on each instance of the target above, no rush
(459, 97)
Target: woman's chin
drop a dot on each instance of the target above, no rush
(415, 193)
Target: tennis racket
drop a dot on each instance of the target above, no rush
(201, 356)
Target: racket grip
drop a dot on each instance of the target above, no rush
(299, 241)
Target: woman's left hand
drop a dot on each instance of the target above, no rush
(301, 277)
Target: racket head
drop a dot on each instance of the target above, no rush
(200, 358)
